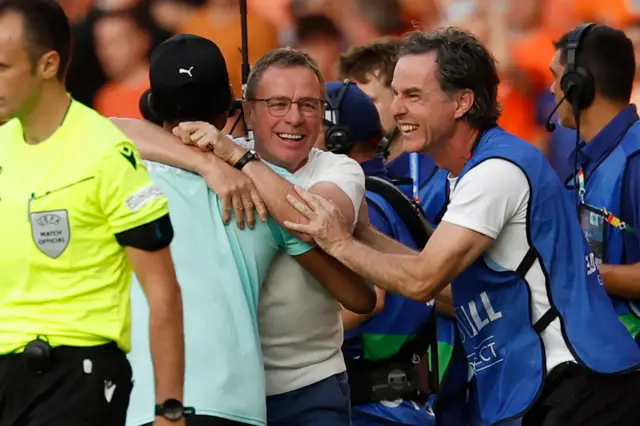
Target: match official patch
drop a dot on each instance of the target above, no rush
(142, 197)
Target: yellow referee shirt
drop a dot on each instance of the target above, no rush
(63, 275)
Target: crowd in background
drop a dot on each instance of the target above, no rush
(113, 38)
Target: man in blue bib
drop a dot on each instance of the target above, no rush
(371, 67)
(533, 315)
(594, 68)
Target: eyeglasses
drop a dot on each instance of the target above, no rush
(280, 106)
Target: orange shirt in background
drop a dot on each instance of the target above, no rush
(563, 15)
(615, 13)
(532, 56)
(262, 36)
(274, 11)
(118, 100)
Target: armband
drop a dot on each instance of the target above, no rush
(152, 236)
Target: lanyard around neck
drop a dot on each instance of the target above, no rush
(608, 216)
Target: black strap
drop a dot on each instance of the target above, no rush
(548, 317)
(527, 262)
(409, 211)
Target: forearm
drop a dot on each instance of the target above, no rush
(274, 189)
(378, 241)
(622, 280)
(167, 345)
(400, 274)
(351, 320)
(156, 144)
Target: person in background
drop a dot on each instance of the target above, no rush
(171, 15)
(79, 215)
(122, 45)
(605, 170)
(371, 67)
(518, 36)
(318, 36)
(221, 268)
(219, 21)
(398, 329)
(360, 21)
(86, 76)
(534, 318)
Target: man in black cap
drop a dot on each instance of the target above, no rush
(220, 268)
(190, 82)
(180, 91)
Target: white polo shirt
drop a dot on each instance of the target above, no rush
(299, 321)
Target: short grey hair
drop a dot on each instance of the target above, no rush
(285, 57)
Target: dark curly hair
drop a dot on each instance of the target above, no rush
(463, 64)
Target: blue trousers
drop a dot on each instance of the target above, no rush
(325, 403)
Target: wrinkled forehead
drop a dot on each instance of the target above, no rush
(290, 82)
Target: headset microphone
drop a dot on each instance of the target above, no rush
(550, 125)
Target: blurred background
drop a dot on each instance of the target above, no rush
(113, 38)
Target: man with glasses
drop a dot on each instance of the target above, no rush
(305, 370)
(221, 268)
(299, 319)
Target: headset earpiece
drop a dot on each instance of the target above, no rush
(337, 137)
(577, 82)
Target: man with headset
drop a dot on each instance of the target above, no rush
(594, 69)
(399, 327)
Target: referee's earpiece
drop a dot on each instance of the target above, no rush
(577, 82)
(337, 137)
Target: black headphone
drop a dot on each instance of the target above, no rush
(577, 82)
(337, 137)
(385, 143)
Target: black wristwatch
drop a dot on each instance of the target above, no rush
(173, 410)
(248, 156)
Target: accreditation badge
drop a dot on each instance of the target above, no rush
(50, 231)
(595, 229)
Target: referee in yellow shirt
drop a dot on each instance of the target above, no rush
(78, 214)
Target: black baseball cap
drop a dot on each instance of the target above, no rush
(189, 81)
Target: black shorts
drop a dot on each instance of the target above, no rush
(575, 396)
(208, 421)
(82, 387)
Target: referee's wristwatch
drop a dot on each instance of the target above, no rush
(250, 155)
(173, 410)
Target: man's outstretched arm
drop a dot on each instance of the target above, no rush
(235, 189)
(421, 277)
(487, 198)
